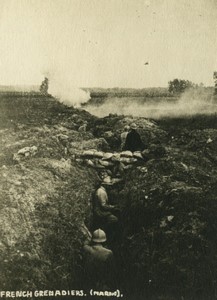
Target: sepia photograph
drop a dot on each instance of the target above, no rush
(108, 149)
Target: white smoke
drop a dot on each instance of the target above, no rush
(61, 87)
(192, 102)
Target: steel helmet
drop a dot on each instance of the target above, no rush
(126, 127)
(99, 236)
(133, 126)
(107, 181)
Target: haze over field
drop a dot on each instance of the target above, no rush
(192, 102)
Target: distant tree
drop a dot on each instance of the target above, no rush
(44, 86)
(215, 82)
(179, 85)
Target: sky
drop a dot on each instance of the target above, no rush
(108, 43)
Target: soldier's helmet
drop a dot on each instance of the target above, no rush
(99, 236)
(133, 126)
(126, 127)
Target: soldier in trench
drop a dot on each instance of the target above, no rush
(133, 140)
(124, 135)
(99, 266)
(105, 214)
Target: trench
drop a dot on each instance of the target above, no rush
(117, 236)
(52, 250)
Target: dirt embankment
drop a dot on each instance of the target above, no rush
(169, 215)
(44, 194)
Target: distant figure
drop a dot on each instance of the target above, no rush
(133, 140)
(103, 211)
(124, 135)
(99, 263)
(44, 86)
(83, 128)
(118, 168)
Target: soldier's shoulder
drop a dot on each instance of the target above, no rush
(108, 251)
(87, 248)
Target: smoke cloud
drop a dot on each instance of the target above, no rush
(61, 87)
(192, 102)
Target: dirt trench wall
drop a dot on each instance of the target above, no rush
(43, 205)
(44, 195)
(169, 228)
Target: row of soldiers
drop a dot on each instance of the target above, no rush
(130, 138)
(99, 263)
